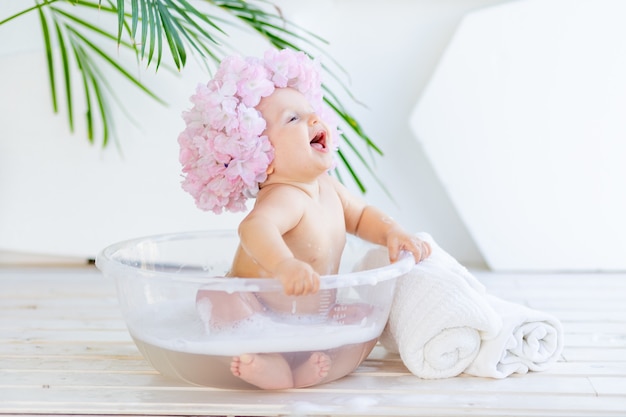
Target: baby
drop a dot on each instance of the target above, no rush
(260, 129)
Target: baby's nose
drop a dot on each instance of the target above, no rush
(313, 118)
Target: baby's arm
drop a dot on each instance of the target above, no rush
(371, 224)
(261, 235)
(375, 226)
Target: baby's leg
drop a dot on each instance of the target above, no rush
(219, 309)
(265, 370)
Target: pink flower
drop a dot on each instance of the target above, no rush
(251, 124)
(254, 85)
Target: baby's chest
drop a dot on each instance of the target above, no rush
(325, 221)
(320, 237)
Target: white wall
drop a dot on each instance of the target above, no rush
(61, 196)
(534, 157)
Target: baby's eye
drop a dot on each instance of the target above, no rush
(293, 118)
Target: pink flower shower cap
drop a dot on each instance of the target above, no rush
(223, 151)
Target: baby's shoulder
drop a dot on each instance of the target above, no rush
(280, 190)
(281, 196)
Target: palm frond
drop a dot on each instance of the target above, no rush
(49, 57)
(66, 75)
(121, 18)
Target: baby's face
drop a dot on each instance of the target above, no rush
(301, 140)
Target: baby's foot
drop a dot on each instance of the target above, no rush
(350, 313)
(313, 371)
(267, 371)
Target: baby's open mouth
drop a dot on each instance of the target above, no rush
(319, 141)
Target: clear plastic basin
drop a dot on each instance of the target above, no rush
(179, 308)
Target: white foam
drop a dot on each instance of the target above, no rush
(180, 328)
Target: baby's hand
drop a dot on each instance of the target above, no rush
(297, 277)
(398, 240)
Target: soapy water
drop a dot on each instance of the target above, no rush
(180, 328)
(179, 344)
(214, 370)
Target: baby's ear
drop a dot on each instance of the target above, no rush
(270, 169)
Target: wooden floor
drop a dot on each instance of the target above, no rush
(64, 350)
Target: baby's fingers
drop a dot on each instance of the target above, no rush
(427, 249)
(393, 246)
(311, 283)
(417, 247)
(315, 283)
(420, 250)
(302, 285)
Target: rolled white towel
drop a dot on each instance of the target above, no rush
(438, 316)
(530, 340)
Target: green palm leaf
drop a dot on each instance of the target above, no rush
(49, 57)
(66, 75)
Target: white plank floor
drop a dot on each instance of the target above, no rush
(64, 350)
